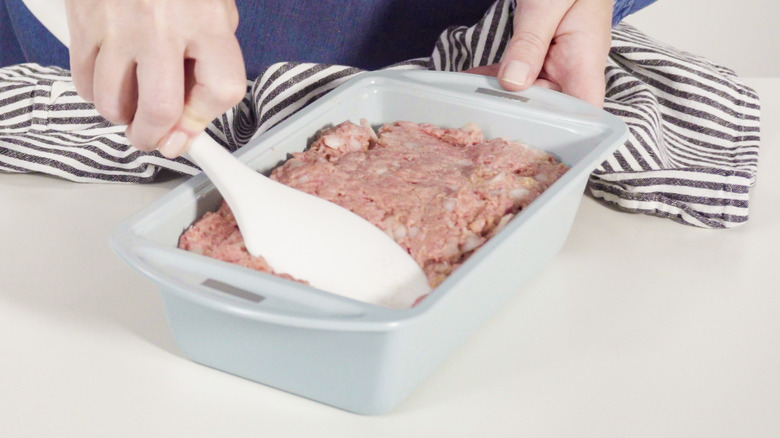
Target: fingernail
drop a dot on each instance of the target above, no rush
(516, 72)
(174, 145)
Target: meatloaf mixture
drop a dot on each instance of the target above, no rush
(440, 193)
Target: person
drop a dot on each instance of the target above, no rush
(167, 68)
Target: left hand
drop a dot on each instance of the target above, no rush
(557, 44)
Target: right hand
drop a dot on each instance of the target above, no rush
(558, 44)
(164, 68)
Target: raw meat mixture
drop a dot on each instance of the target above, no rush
(440, 193)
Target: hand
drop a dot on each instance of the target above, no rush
(557, 44)
(164, 68)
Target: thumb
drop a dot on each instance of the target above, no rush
(534, 26)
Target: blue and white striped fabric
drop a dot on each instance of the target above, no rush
(692, 153)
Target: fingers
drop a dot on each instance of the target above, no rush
(160, 79)
(578, 58)
(114, 85)
(129, 56)
(546, 83)
(561, 45)
(82, 66)
(83, 51)
(584, 79)
(216, 82)
(535, 24)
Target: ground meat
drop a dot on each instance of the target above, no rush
(440, 193)
(216, 235)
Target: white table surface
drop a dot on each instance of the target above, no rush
(640, 326)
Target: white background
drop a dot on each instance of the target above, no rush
(683, 341)
(743, 35)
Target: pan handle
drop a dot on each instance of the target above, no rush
(535, 98)
(229, 288)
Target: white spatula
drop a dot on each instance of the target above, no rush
(309, 238)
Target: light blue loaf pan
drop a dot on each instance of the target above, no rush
(356, 356)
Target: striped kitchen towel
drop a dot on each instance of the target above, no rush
(692, 151)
